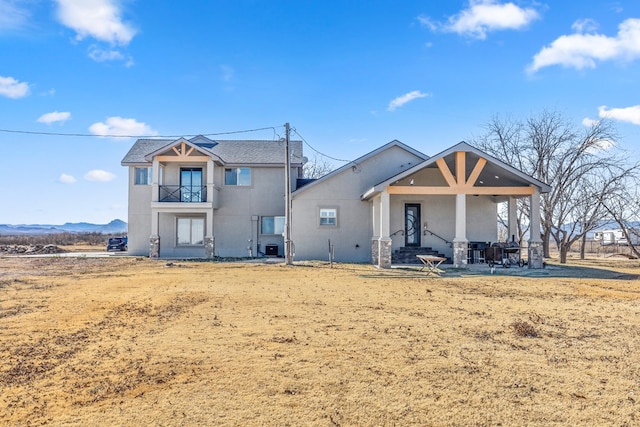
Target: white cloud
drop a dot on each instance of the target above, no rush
(122, 127)
(55, 116)
(584, 26)
(588, 122)
(67, 179)
(583, 50)
(408, 97)
(99, 176)
(100, 19)
(628, 114)
(12, 88)
(12, 16)
(102, 55)
(484, 16)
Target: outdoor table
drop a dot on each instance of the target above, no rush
(431, 263)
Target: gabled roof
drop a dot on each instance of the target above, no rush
(238, 152)
(493, 168)
(354, 163)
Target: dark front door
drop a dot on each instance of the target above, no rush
(412, 224)
(191, 185)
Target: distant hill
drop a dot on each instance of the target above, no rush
(114, 227)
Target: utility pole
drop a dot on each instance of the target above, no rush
(287, 198)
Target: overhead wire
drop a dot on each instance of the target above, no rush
(318, 152)
(138, 136)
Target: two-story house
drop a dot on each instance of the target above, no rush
(205, 198)
(199, 198)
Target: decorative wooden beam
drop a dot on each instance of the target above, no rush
(191, 159)
(461, 168)
(446, 173)
(476, 172)
(442, 190)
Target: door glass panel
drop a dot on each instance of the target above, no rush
(412, 225)
(191, 185)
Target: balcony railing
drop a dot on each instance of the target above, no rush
(177, 193)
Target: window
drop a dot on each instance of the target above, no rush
(237, 176)
(272, 225)
(329, 217)
(190, 231)
(143, 176)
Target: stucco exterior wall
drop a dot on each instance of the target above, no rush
(233, 224)
(139, 222)
(351, 237)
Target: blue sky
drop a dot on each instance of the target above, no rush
(349, 76)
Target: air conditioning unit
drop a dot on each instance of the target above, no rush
(271, 250)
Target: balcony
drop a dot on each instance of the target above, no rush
(182, 194)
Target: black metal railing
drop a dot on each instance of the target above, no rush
(178, 193)
(439, 237)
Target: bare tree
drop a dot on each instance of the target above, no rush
(623, 206)
(317, 167)
(580, 165)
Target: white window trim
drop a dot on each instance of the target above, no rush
(237, 168)
(149, 175)
(190, 218)
(320, 217)
(275, 233)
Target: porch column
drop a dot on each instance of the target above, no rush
(384, 241)
(535, 252)
(375, 221)
(209, 240)
(155, 181)
(512, 206)
(209, 180)
(154, 240)
(460, 242)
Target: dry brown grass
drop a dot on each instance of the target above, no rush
(124, 341)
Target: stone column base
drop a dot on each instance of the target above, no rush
(154, 247)
(536, 255)
(375, 251)
(384, 253)
(460, 249)
(209, 247)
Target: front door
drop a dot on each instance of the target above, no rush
(412, 224)
(191, 185)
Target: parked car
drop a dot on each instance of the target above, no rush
(117, 244)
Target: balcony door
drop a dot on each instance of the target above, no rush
(191, 185)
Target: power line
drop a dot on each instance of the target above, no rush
(27, 132)
(318, 152)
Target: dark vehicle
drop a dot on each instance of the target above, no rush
(117, 244)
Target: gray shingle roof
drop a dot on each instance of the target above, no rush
(229, 151)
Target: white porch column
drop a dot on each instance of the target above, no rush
(536, 255)
(512, 218)
(384, 241)
(210, 186)
(155, 181)
(209, 240)
(460, 242)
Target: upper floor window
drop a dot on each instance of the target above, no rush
(237, 176)
(329, 216)
(272, 225)
(143, 176)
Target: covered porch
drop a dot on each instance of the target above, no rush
(449, 201)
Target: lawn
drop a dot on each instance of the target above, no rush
(134, 342)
